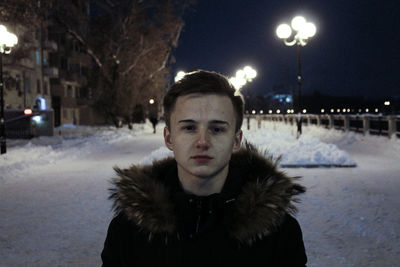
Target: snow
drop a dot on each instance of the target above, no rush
(55, 212)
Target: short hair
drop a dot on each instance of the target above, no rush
(203, 82)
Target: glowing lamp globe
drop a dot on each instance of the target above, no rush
(298, 22)
(283, 31)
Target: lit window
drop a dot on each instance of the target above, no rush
(37, 55)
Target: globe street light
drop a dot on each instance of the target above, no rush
(302, 31)
(179, 76)
(243, 76)
(7, 41)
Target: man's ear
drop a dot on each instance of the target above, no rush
(238, 141)
(167, 138)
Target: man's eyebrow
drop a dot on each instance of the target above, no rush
(186, 121)
(219, 122)
(211, 122)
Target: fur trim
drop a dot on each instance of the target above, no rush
(266, 197)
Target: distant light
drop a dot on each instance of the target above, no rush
(322, 110)
(332, 110)
(359, 110)
(288, 111)
(250, 73)
(304, 110)
(283, 31)
(270, 111)
(179, 75)
(37, 119)
(41, 103)
(376, 110)
(310, 29)
(278, 111)
(28, 111)
(344, 110)
(348, 110)
(151, 101)
(338, 110)
(298, 22)
(261, 112)
(253, 112)
(387, 103)
(366, 110)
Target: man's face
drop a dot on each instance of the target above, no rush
(202, 134)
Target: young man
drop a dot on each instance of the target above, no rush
(215, 203)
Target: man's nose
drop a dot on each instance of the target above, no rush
(203, 140)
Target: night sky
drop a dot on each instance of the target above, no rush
(354, 52)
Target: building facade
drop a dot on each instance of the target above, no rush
(26, 71)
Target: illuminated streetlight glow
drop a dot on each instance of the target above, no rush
(253, 112)
(322, 110)
(270, 111)
(151, 101)
(376, 110)
(387, 103)
(7, 40)
(179, 75)
(303, 31)
(304, 110)
(283, 31)
(243, 76)
(261, 112)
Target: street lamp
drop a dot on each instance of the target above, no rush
(7, 41)
(243, 76)
(179, 76)
(303, 31)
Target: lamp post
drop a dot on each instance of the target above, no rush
(243, 76)
(303, 31)
(7, 41)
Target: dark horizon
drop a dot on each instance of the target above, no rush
(354, 52)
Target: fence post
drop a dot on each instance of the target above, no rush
(365, 119)
(318, 117)
(391, 125)
(259, 121)
(330, 123)
(346, 123)
(248, 122)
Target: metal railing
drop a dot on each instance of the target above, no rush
(387, 125)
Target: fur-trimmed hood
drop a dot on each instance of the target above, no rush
(264, 197)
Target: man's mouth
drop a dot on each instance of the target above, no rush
(202, 158)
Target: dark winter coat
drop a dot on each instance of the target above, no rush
(247, 224)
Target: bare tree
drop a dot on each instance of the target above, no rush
(131, 44)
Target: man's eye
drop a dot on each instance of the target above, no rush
(189, 128)
(217, 129)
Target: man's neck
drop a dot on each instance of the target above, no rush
(202, 186)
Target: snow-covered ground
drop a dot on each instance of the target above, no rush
(54, 209)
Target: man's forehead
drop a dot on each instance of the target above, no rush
(206, 97)
(213, 106)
